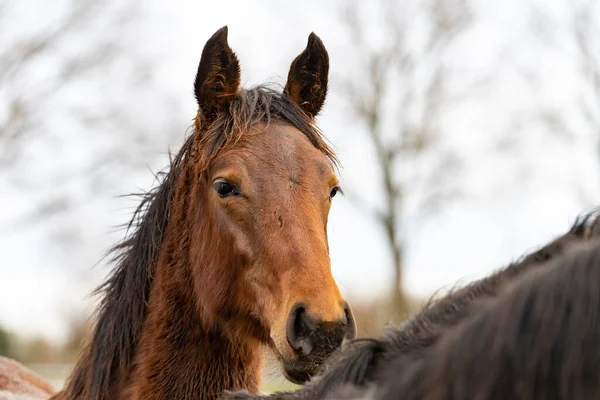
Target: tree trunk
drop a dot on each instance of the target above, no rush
(399, 306)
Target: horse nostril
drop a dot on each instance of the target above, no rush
(350, 322)
(298, 330)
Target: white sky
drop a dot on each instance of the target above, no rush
(513, 201)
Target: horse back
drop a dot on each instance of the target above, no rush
(18, 382)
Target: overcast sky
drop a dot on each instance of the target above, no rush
(513, 200)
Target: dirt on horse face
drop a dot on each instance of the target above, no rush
(229, 253)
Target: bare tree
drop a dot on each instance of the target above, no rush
(75, 82)
(399, 95)
(32, 49)
(574, 31)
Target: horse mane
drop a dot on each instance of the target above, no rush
(536, 340)
(121, 314)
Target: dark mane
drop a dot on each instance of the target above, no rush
(537, 340)
(108, 357)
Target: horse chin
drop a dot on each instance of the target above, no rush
(296, 376)
(290, 367)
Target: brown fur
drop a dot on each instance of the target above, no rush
(367, 361)
(205, 280)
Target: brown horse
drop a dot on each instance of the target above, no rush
(230, 252)
(367, 364)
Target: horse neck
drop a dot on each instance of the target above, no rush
(183, 353)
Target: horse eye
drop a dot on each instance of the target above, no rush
(225, 189)
(334, 191)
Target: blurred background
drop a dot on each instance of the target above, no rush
(468, 133)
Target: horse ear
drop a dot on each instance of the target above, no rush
(307, 79)
(218, 76)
